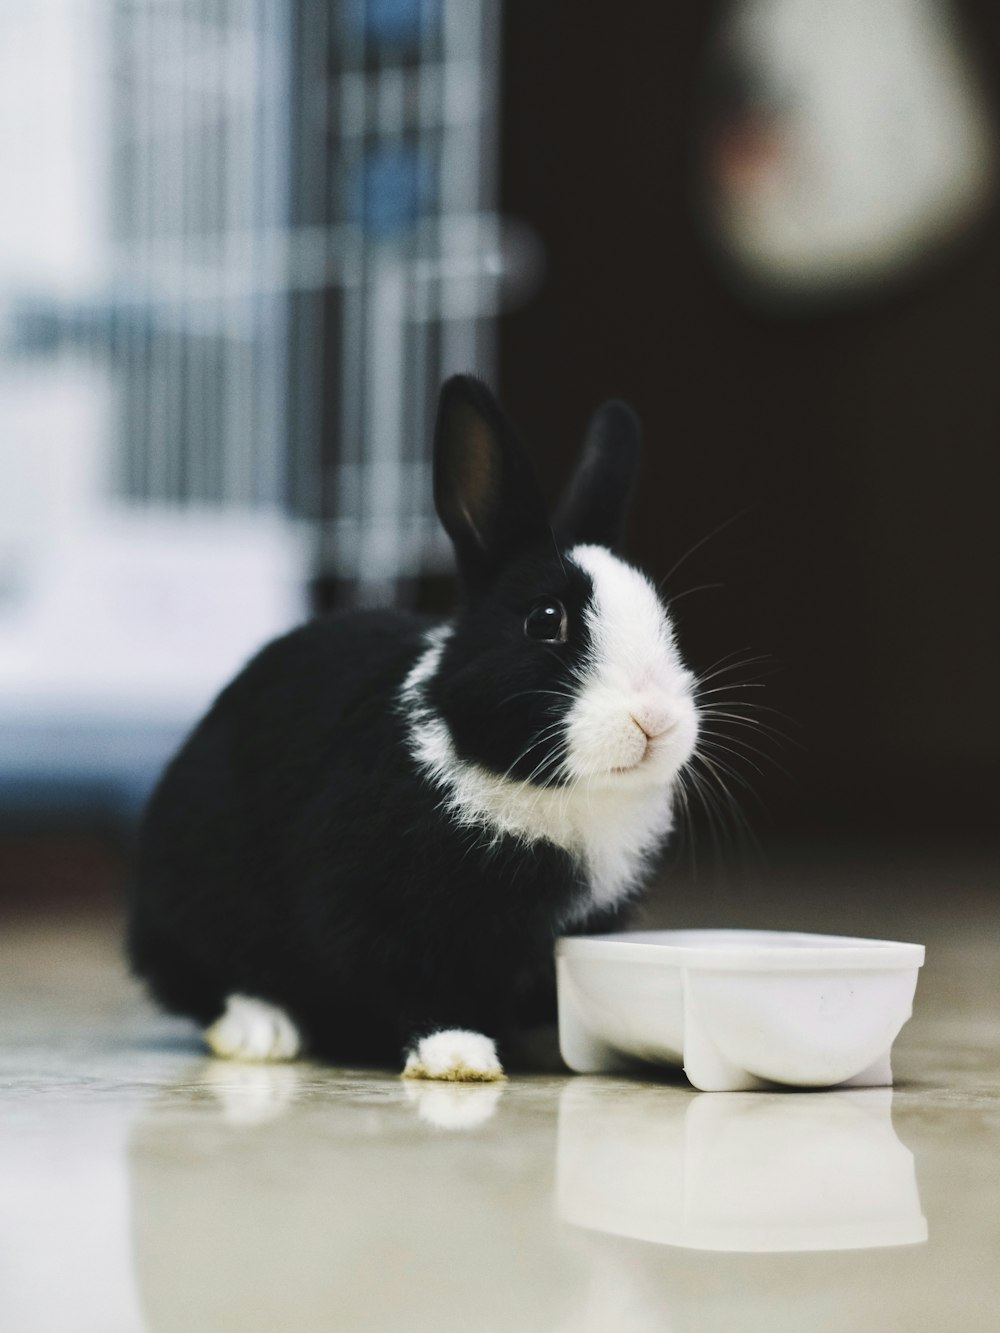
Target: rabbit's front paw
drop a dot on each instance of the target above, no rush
(253, 1030)
(456, 1055)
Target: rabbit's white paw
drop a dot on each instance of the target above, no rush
(253, 1030)
(456, 1055)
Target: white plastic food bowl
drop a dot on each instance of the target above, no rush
(739, 1009)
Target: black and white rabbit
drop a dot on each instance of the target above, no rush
(370, 843)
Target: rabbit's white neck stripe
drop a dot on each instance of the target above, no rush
(612, 833)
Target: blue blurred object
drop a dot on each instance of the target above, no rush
(42, 326)
(394, 189)
(99, 765)
(397, 21)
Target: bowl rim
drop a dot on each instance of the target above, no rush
(723, 950)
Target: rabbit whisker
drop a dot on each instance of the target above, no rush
(733, 518)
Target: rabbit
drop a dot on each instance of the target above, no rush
(367, 848)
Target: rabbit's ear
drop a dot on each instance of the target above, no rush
(485, 489)
(595, 506)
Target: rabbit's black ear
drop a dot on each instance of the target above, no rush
(485, 489)
(595, 506)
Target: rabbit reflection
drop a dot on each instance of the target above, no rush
(298, 1199)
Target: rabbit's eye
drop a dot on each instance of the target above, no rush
(546, 622)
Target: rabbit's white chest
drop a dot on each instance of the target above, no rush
(619, 841)
(613, 834)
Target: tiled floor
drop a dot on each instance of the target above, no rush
(143, 1186)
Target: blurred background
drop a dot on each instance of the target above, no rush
(243, 241)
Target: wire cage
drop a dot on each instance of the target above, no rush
(306, 242)
(271, 231)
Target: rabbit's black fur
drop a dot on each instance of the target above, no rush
(302, 849)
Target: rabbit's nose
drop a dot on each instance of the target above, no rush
(653, 718)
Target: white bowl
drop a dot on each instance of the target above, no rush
(739, 1009)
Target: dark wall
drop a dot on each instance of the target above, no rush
(851, 454)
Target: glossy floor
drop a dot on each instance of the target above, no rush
(145, 1187)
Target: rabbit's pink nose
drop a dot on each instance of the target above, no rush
(653, 719)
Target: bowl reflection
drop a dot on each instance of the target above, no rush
(750, 1172)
